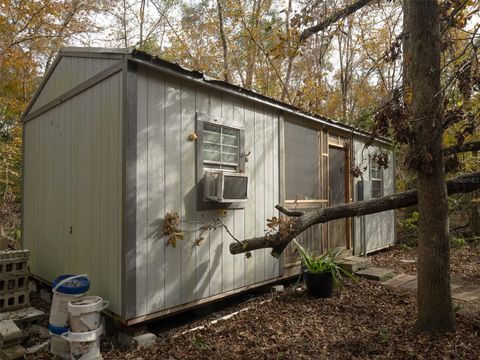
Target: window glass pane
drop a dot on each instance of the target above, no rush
(220, 144)
(376, 188)
(229, 158)
(302, 178)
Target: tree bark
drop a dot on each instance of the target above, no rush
(434, 300)
(291, 55)
(226, 70)
(302, 221)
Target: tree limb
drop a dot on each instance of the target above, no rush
(462, 184)
(288, 212)
(333, 18)
(471, 146)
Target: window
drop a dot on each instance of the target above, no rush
(220, 147)
(302, 164)
(376, 176)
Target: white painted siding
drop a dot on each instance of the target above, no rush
(379, 228)
(166, 162)
(72, 219)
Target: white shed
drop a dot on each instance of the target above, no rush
(116, 139)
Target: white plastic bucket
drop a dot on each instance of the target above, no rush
(61, 297)
(84, 345)
(85, 313)
(58, 345)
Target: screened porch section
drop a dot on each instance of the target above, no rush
(316, 168)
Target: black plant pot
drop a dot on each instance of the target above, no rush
(319, 285)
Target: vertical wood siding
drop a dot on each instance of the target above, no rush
(168, 276)
(72, 219)
(380, 228)
(68, 73)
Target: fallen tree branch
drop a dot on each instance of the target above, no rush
(288, 212)
(456, 149)
(462, 184)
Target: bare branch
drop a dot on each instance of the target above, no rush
(456, 149)
(333, 18)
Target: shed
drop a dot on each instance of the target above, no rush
(116, 140)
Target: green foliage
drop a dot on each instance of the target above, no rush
(457, 242)
(407, 229)
(328, 262)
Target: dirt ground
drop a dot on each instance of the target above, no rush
(363, 320)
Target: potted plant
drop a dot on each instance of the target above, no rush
(321, 273)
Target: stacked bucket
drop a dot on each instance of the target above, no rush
(74, 324)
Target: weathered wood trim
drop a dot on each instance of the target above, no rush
(74, 91)
(91, 55)
(129, 189)
(41, 86)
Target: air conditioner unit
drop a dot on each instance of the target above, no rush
(225, 187)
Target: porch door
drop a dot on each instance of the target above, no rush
(338, 184)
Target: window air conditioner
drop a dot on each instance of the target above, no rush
(226, 187)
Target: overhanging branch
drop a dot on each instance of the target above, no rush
(333, 18)
(456, 149)
(462, 184)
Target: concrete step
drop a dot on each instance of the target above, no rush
(376, 273)
(355, 263)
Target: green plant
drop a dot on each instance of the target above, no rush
(327, 262)
(457, 242)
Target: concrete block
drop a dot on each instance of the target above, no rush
(278, 288)
(355, 263)
(14, 262)
(14, 300)
(12, 353)
(23, 316)
(11, 283)
(376, 273)
(144, 340)
(10, 333)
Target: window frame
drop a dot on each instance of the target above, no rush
(200, 166)
(373, 179)
(221, 165)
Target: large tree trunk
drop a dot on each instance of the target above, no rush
(302, 221)
(434, 301)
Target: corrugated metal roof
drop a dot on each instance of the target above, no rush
(145, 58)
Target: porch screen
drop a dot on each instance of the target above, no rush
(302, 171)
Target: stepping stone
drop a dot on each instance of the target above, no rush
(468, 295)
(355, 263)
(410, 285)
(24, 316)
(376, 273)
(399, 280)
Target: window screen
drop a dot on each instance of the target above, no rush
(302, 172)
(220, 147)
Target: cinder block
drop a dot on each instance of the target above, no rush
(10, 334)
(12, 353)
(144, 340)
(13, 283)
(14, 300)
(14, 266)
(355, 263)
